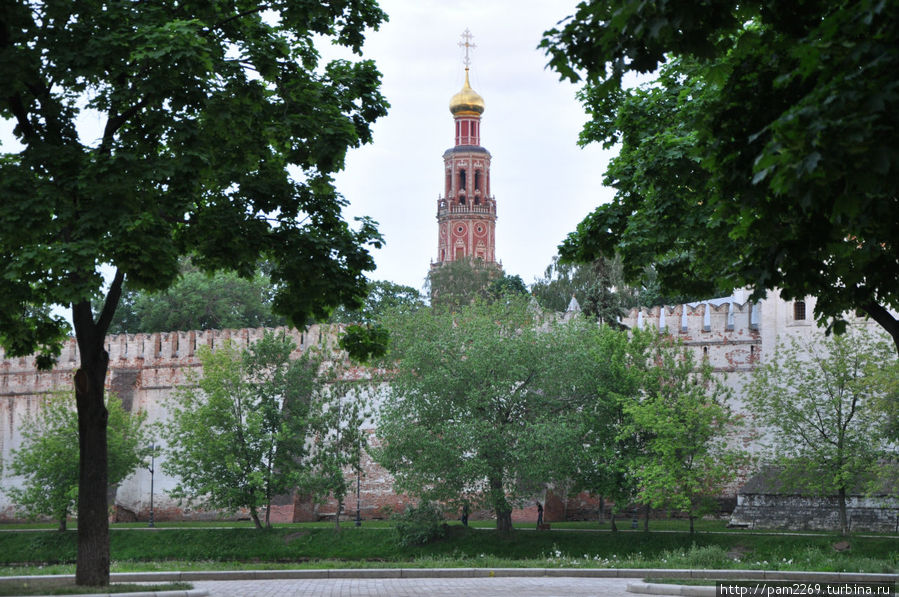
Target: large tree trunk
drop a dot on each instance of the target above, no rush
(255, 517)
(500, 505)
(504, 519)
(92, 564)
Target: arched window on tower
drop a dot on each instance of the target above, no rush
(477, 187)
(462, 179)
(449, 184)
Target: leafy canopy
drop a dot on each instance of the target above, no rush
(205, 110)
(473, 397)
(763, 152)
(238, 437)
(48, 455)
(198, 301)
(824, 404)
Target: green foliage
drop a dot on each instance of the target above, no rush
(239, 437)
(305, 546)
(598, 287)
(455, 284)
(48, 455)
(220, 132)
(821, 399)
(198, 301)
(364, 342)
(382, 297)
(473, 396)
(419, 525)
(764, 147)
(684, 423)
(203, 110)
(339, 411)
(506, 285)
(613, 368)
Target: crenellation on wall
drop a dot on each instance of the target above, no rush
(719, 331)
(144, 369)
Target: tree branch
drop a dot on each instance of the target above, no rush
(239, 15)
(114, 123)
(111, 302)
(886, 320)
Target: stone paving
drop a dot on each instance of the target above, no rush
(408, 587)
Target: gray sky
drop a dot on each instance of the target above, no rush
(543, 182)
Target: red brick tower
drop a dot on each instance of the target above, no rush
(466, 214)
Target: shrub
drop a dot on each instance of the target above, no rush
(418, 525)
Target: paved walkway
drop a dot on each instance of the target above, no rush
(408, 587)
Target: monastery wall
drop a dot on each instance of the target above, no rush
(733, 334)
(144, 370)
(726, 333)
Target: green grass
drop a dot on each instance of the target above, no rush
(316, 546)
(72, 589)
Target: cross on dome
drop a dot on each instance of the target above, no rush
(467, 101)
(466, 43)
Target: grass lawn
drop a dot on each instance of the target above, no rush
(22, 589)
(194, 547)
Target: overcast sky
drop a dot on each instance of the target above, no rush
(543, 182)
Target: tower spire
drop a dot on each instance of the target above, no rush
(466, 213)
(466, 43)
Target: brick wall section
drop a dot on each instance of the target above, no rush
(144, 369)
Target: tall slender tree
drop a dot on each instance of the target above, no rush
(821, 400)
(239, 437)
(48, 455)
(204, 109)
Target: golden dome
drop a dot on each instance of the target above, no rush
(467, 100)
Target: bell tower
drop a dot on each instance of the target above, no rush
(466, 212)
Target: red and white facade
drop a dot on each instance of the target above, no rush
(466, 211)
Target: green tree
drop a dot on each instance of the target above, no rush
(599, 288)
(505, 285)
(204, 111)
(365, 338)
(239, 436)
(340, 410)
(457, 283)
(685, 421)
(48, 455)
(605, 449)
(820, 401)
(199, 301)
(762, 154)
(470, 393)
(383, 296)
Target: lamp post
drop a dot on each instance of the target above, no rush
(358, 498)
(152, 470)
